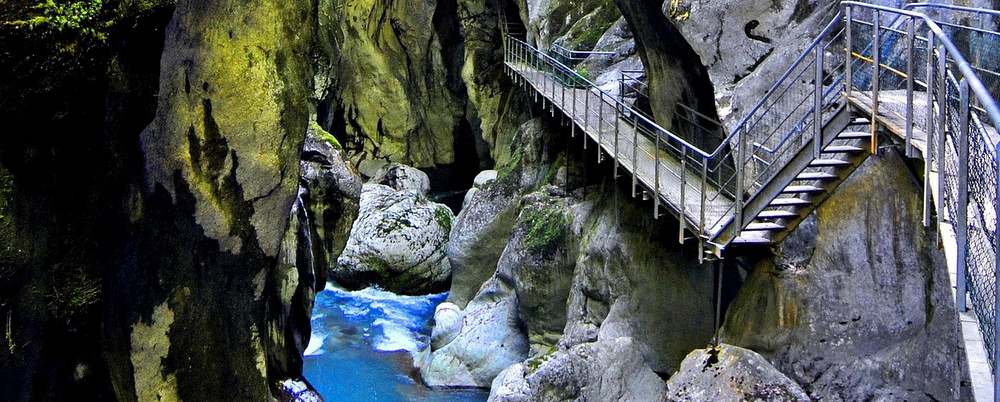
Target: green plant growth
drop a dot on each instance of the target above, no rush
(547, 225)
(443, 217)
(324, 135)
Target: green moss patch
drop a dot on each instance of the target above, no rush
(547, 226)
(324, 135)
(443, 217)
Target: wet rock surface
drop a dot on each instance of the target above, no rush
(398, 242)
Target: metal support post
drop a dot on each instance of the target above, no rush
(818, 104)
(849, 61)
(929, 131)
(910, 53)
(635, 152)
(876, 73)
(681, 216)
(942, 125)
(962, 218)
(656, 178)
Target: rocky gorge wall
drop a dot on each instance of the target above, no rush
(234, 161)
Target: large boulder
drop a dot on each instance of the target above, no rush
(608, 370)
(402, 178)
(856, 305)
(731, 374)
(398, 242)
(490, 339)
(531, 281)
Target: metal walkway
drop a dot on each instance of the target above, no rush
(873, 74)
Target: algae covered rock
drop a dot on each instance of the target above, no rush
(332, 194)
(731, 374)
(398, 242)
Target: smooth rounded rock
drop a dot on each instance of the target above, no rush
(398, 242)
(402, 178)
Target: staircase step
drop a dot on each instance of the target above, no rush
(854, 136)
(751, 241)
(816, 176)
(828, 162)
(860, 120)
(802, 189)
(789, 202)
(777, 215)
(835, 149)
(764, 226)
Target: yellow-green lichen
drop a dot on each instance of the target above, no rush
(150, 345)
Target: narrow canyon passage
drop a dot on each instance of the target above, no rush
(373, 200)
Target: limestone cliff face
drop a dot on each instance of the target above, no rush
(391, 77)
(199, 287)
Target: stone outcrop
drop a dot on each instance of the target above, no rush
(402, 178)
(332, 193)
(746, 46)
(398, 242)
(856, 305)
(731, 374)
(611, 370)
(199, 311)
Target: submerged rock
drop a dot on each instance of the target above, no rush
(398, 242)
(731, 374)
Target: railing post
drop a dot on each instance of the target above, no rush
(876, 67)
(962, 214)
(740, 160)
(572, 132)
(682, 217)
(929, 131)
(656, 177)
(701, 213)
(600, 120)
(849, 61)
(910, 34)
(635, 152)
(617, 131)
(818, 103)
(996, 281)
(942, 125)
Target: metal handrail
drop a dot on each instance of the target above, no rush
(625, 107)
(975, 85)
(574, 54)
